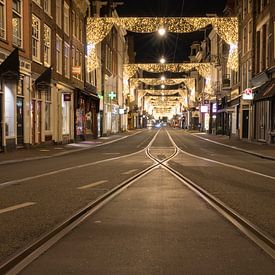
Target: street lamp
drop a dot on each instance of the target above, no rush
(162, 60)
(162, 78)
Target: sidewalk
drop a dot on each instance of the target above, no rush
(255, 148)
(51, 150)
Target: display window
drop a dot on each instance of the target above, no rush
(9, 103)
(65, 115)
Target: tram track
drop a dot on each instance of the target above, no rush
(23, 258)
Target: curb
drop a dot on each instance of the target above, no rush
(236, 148)
(14, 161)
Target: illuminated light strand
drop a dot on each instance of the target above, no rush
(226, 28)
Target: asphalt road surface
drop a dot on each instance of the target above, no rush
(156, 226)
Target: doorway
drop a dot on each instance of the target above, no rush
(36, 121)
(245, 123)
(20, 126)
(1, 133)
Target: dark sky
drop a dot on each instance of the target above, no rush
(149, 47)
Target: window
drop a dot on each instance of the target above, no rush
(58, 54)
(36, 38)
(73, 22)
(9, 100)
(65, 115)
(38, 2)
(80, 30)
(58, 13)
(3, 19)
(17, 23)
(250, 35)
(263, 48)
(244, 40)
(48, 102)
(47, 45)
(76, 26)
(66, 60)
(66, 19)
(47, 6)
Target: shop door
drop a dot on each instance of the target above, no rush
(38, 120)
(20, 128)
(1, 147)
(245, 123)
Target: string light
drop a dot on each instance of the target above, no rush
(226, 28)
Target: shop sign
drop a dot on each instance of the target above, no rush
(76, 70)
(214, 108)
(248, 94)
(67, 97)
(204, 109)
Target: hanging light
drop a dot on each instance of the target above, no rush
(161, 31)
(162, 60)
(162, 78)
(162, 86)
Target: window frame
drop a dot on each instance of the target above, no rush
(20, 16)
(66, 18)
(59, 61)
(47, 7)
(47, 47)
(3, 29)
(66, 60)
(36, 39)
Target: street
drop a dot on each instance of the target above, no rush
(49, 191)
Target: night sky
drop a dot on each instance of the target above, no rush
(175, 47)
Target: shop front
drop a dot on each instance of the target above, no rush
(86, 114)
(264, 113)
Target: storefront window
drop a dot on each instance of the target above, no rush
(65, 114)
(9, 111)
(48, 110)
(89, 123)
(80, 118)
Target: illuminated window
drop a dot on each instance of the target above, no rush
(47, 45)
(48, 102)
(3, 19)
(17, 23)
(36, 38)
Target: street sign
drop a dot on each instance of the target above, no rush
(248, 94)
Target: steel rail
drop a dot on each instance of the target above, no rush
(254, 233)
(23, 258)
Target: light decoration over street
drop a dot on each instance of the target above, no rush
(129, 70)
(226, 27)
(156, 81)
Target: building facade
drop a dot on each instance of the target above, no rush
(15, 73)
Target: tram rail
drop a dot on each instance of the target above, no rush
(23, 258)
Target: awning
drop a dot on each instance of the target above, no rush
(44, 80)
(266, 91)
(9, 68)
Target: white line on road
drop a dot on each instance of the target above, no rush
(130, 172)
(15, 207)
(111, 153)
(92, 184)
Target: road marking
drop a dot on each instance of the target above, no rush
(15, 207)
(111, 153)
(130, 172)
(92, 184)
